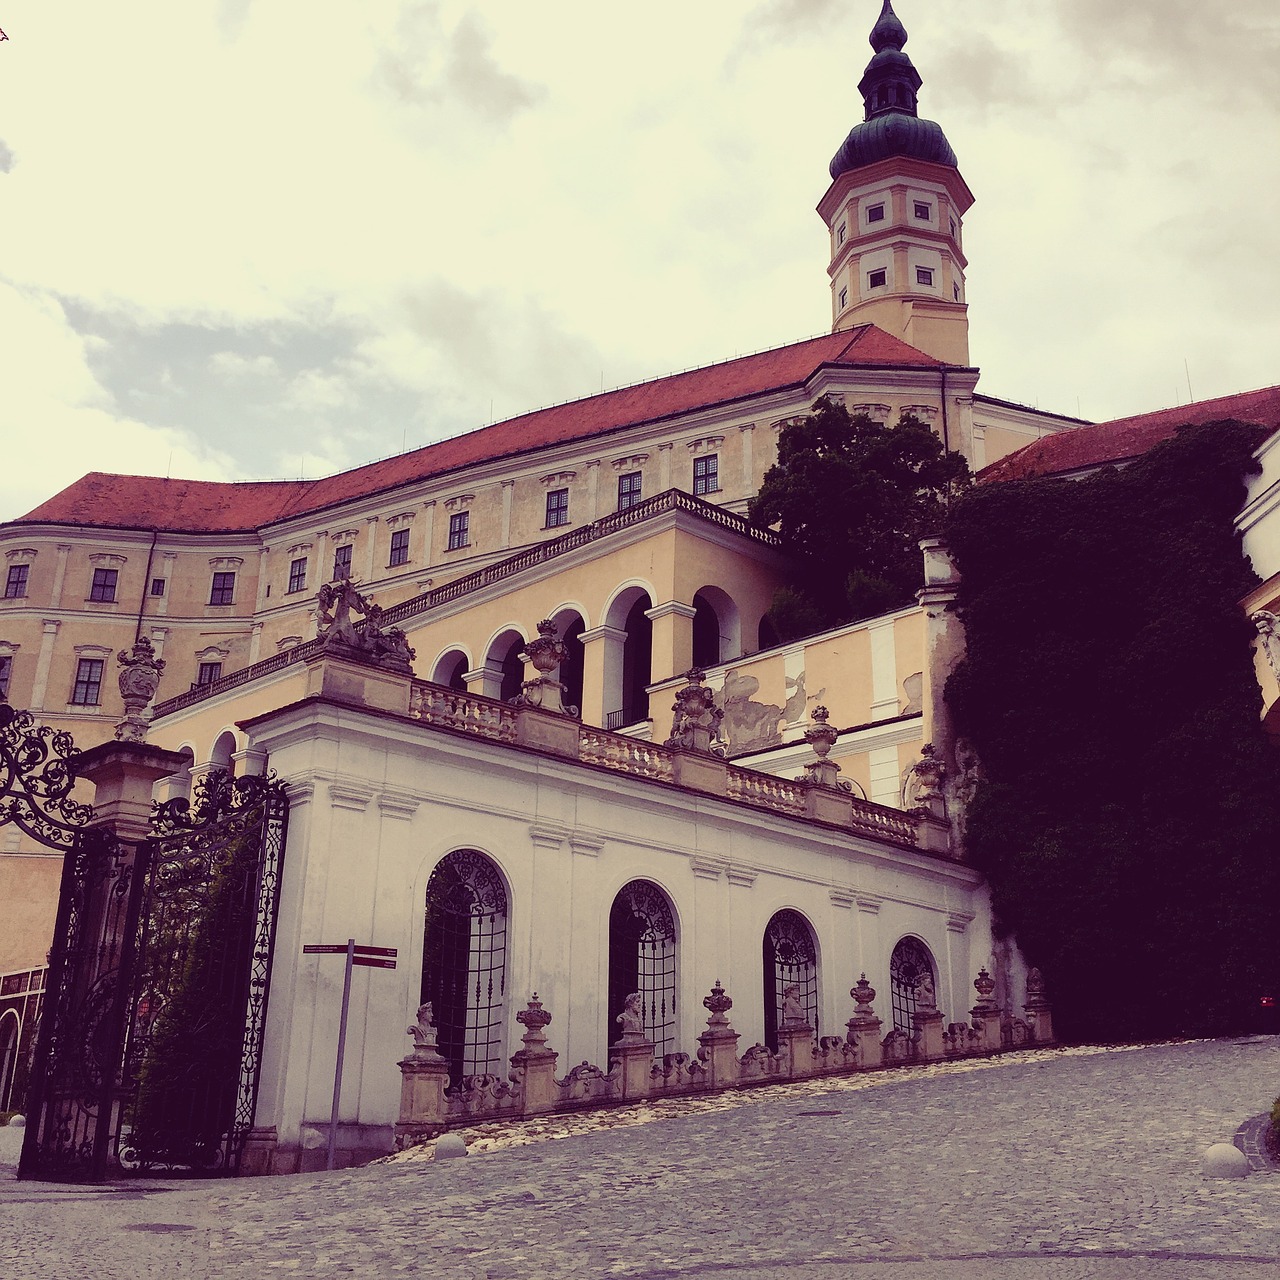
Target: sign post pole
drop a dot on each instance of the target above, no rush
(342, 1046)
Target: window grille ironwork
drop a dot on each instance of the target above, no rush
(790, 959)
(464, 962)
(642, 958)
(910, 959)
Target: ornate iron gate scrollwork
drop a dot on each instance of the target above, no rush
(151, 1038)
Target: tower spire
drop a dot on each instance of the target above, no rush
(890, 82)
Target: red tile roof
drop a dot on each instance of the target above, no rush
(1127, 438)
(200, 506)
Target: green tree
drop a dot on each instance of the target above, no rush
(1128, 812)
(851, 499)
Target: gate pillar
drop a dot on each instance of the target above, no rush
(123, 775)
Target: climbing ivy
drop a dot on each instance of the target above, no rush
(1129, 815)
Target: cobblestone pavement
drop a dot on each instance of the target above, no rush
(1063, 1166)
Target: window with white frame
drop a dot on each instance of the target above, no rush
(223, 589)
(399, 548)
(875, 213)
(877, 279)
(557, 508)
(459, 530)
(87, 690)
(924, 275)
(103, 587)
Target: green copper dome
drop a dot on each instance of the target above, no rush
(891, 126)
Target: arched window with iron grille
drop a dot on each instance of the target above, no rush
(464, 961)
(910, 959)
(790, 959)
(642, 957)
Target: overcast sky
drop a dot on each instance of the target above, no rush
(267, 238)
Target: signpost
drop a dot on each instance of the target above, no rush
(371, 958)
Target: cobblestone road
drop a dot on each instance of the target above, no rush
(1063, 1167)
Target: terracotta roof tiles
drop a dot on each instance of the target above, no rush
(1126, 438)
(198, 506)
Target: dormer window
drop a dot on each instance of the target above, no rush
(875, 213)
(923, 210)
(877, 279)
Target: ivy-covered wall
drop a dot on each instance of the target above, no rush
(1129, 814)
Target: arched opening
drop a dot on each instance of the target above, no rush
(637, 660)
(790, 960)
(223, 749)
(569, 627)
(911, 961)
(450, 669)
(642, 958)
(10, 1034)
(717, 629)
(464, 962)
(504, 664)
(767, 633)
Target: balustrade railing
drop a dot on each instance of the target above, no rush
(766, 790)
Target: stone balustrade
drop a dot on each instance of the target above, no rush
(533, 1087)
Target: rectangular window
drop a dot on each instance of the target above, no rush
(876, 279)
(706, 474)
(924, 275)
(458, 532)
(955, 289)
(342, 561)
(16, 583)
(223, 590)
(923, 210)
(629, 490)
(297, 574)
(953, 228)
(157, 586)
(875, 213)
(841, 232)
(557, 508)
(399, 547)
(6, 670)
(844, 298)
(209, 672)
(88, 687)
(103, 587)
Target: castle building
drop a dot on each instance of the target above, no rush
(619, 518)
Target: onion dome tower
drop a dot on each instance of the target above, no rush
(894, 211)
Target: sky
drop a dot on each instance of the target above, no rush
(246, 239)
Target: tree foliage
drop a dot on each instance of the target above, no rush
(1129, 814)
(851, 499)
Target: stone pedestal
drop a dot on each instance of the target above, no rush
(795, 1047)
(1040, 1020)
(719, 1042)
(123, 775)
(702, 772)
(933, 833)
(986, 1021)
(634, 1056)
(929, 1024)
(346, 679)
(827, 804)
(423, 1109)
(864, 1034)
(547, 731)
(534, 1066)
(258, 1158)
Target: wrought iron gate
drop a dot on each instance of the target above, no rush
(151, 1034)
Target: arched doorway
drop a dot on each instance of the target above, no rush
(910, 959)
(464, 962)
(450, 669)
(10, 1035)
(642, 958)
(790, 959)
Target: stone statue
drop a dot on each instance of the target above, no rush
(371, 642)
(631, 1019)
(926, 996)
(546, 653)
(923, 791)
(697, 718)
(1268, 625)
(792, 1010)
(424, 1030)
(139, 679)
